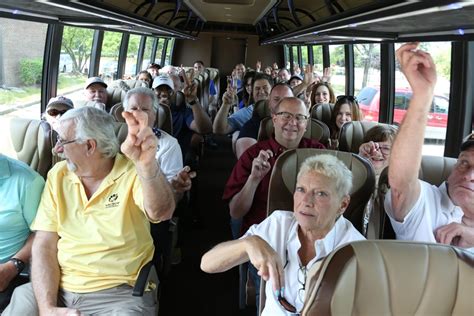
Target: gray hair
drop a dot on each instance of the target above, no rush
(143, 91)
(93, 123)
(331, 167)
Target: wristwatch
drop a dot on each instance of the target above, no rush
(19, 265)
(193, 102)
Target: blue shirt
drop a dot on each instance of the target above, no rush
(182, 119)
(20, 193)
(239, 118)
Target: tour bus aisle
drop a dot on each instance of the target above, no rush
(188, 290)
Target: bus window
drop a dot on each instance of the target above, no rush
(20, 68)
(132, 56)
(318, 59)
(159, 51)
(366, 71)
(109, 56)
(338, 80)
(304, 57)
(435, 133)
(147, 53)
(295, 55)
(74, 61)
(169, 51)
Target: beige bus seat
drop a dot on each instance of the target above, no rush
(117, 90)
(314, 130)
(322, 112)
(32, 142)
(434, 170)
(386, 277)
(352, 135)
(163, 114)
(283, 181)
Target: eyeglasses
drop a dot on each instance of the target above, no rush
(287, 116)
(385, 150)
(301, 280)
(350, 98)
(61, 142)
(55, 112)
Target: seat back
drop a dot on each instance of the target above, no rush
(32, 141)
(314, 130)
(163, 114)
(381, 277)
(121, 130)
(117, 90)
(283, 181)
(434, 170)
(322, 112)
(262, 109)
(353, 133)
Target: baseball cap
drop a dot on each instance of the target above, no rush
(468, 141)
(298, 77)
(162, 80)
(93, 80)
(59, 102)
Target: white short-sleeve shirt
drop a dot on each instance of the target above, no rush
(280, 230)
(169, 155)
(433, 209)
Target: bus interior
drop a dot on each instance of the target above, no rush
(50, 48)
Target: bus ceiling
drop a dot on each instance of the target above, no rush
(298, 22)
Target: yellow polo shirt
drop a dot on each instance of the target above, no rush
(104, 241)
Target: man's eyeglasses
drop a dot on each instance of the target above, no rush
(55, 112)
(287, 116)
(350, 98)
(61, 142)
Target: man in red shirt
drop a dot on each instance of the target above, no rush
(247, 187)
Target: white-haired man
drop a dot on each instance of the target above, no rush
(418, 210)
(92, 226)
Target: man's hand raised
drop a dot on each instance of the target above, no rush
(141, 144)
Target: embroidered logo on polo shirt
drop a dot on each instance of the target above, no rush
(112, 199)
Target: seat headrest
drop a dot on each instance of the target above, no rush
(32, 142)
(352, 135)
(381, 277)
(314, 130)
(283, 181)
(322, 112)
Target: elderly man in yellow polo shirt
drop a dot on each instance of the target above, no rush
(92, 227)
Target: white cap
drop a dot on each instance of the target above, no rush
(162, 80)
(93, 80)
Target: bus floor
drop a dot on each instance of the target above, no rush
(187, 290)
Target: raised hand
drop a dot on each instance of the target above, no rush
(309, 77)
(266, 261)
(141, 144)
(258, 66)
(456, 234)
(418, 67)
(229, 96)
(368, 149)
(326, 75)
(181, 182)
(260, 165)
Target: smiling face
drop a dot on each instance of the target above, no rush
(321, 95)
(96, 92)
(279, 92)
(261, 90)
(381, 156)
(344, 115)
(289, 130)
(461, 182)
(317, 203)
